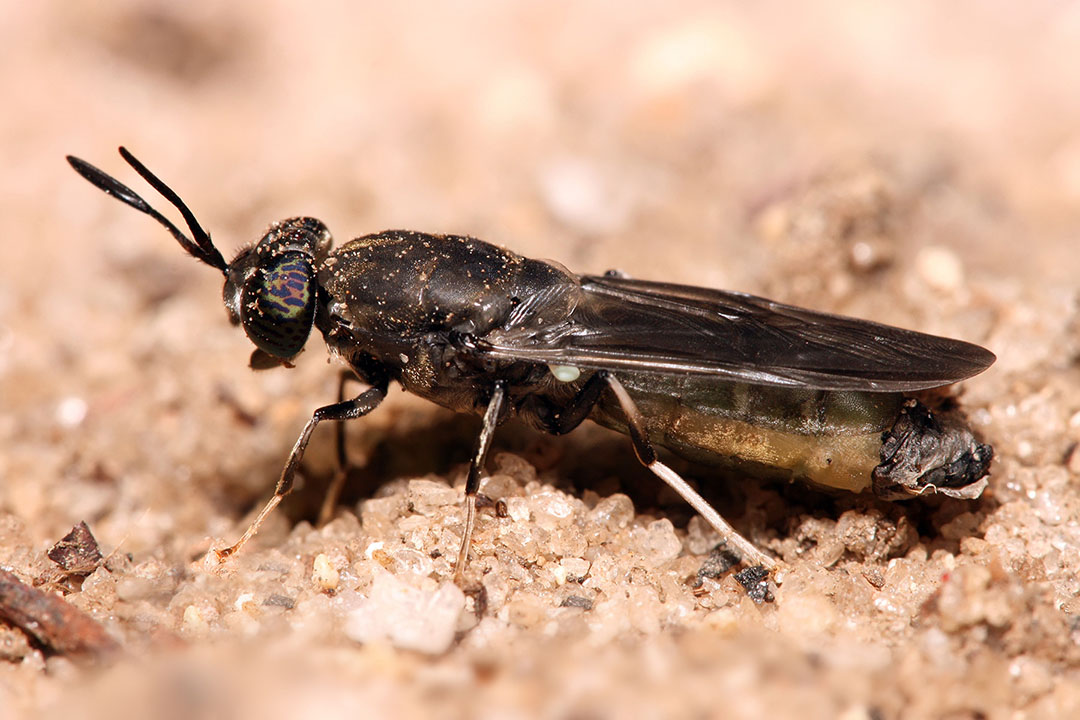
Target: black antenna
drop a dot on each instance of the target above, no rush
(201, 247)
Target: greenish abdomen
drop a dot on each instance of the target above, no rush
(828, 438)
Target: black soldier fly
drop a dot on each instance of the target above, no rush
(714, 376)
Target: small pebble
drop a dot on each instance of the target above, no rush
(661, 542)
(576, 568)
(194, 622)
(324, 574)
(756, 581)
(576, 601)
(421, 618)
(428, 497)
(245, 602)
(615, 512)
(560, 574)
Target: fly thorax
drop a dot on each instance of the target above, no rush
(407, 284)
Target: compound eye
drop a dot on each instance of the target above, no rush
(277, 306)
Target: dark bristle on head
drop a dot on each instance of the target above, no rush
(199, 245)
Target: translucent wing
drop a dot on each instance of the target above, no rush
(635, 325)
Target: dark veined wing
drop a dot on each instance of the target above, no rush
(636, 325)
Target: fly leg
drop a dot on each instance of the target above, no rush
(347, 410)
(645, 453)
(472, 484)
(341, 461)
(564, 419)
(556, 421)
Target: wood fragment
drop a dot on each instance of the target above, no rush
(77, 552)
(51, 621)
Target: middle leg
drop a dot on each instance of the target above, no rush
(472, 484)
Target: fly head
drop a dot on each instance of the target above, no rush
(271, 288)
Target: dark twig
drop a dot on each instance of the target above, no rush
(51, 621)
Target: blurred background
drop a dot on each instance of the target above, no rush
(916, 163)
(569, 129)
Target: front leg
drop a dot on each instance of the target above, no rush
(346, 410)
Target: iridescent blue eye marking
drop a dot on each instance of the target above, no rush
(290, 284)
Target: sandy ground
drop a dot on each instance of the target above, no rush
(906, 163)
